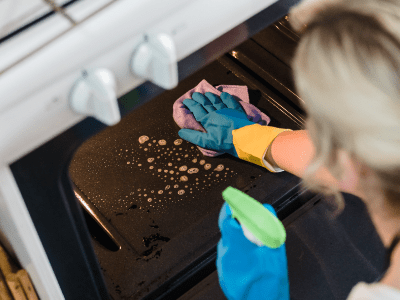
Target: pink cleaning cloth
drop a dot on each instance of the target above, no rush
(185, 119)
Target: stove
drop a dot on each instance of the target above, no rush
(129, 210)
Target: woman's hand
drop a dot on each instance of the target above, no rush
(228, 129)
(219, 116)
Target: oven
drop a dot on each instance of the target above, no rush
(93, 204)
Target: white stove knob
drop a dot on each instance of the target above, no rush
(94, 94)
(155, 59)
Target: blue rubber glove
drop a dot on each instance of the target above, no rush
(245, 270)
(219, 116)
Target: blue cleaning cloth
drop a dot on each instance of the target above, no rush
(245, 270)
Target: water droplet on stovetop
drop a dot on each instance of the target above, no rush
(143, 139)
(178, 142)
(193, 170)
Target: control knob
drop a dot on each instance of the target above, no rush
(94, 94)
(155, 60)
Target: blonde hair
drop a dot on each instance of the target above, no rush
(347, 71)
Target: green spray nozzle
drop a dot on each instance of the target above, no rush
(255, 217)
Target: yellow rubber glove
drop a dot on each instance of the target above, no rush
(252, 143)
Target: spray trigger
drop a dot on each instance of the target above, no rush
(250, 213)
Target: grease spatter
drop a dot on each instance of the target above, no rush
(143, 139)
(219, 168)
(178, 142)
(193, 170)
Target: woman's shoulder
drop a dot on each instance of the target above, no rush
(373, 291)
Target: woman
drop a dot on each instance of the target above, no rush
(347, 71)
